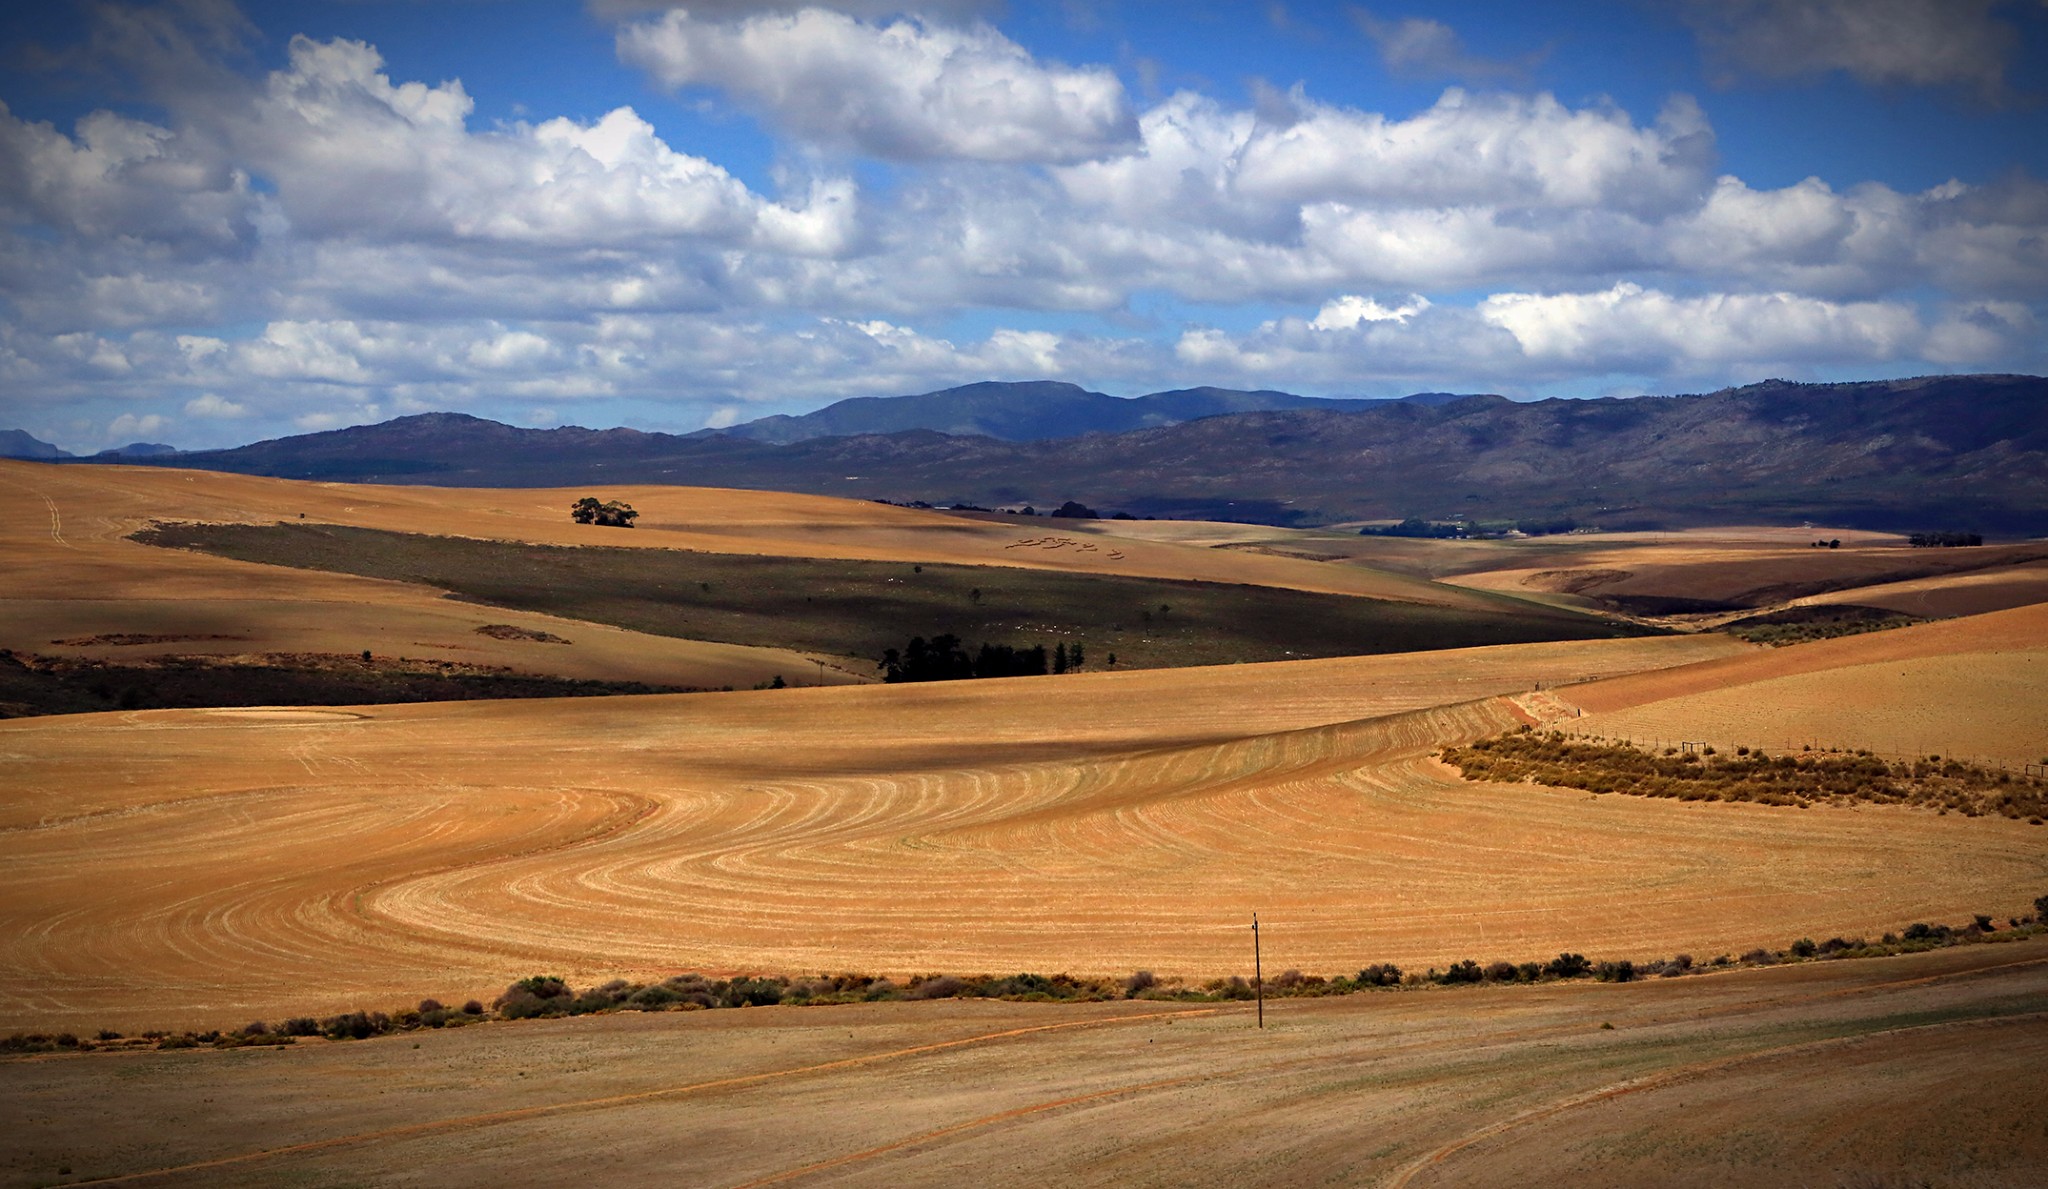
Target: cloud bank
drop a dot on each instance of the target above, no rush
(322, 242)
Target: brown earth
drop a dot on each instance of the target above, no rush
(1919, 1070)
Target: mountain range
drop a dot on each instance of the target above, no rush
(16, 443)
(1033, 411)
(1934, 452)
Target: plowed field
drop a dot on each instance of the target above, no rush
(207, 867)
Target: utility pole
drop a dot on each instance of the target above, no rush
(1258, 974)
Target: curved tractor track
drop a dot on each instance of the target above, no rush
(215, 868)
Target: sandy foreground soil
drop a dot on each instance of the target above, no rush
(1920, 1070)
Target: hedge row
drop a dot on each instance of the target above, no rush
(1795, 779)
(543, 996)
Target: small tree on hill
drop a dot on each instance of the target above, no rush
(612, 513)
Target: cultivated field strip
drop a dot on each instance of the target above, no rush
(1975, 688)
(1779, 1077)
(211, 867)
(119, 500)
(86, 580)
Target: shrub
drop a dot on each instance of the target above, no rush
(1232, 988)
(300, 1026)
(653, 998)
(1804, 948)
(536, 995)
(1568, 965)
(1500, 972)
(472, 1008)
(1288, 980)
(1466, 971)
(1380, 974)
(754, 992)
(1623, 971)
(1140, 981)
(352, 1025)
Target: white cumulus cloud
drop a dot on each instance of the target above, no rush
(1634, 327)
(906, 90)
(215, 407)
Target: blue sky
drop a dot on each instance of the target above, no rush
(224, 223)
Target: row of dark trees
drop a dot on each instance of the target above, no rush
(1943, 540)
(945, 658)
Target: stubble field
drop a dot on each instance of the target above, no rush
(205, 867)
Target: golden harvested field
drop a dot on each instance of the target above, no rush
(1974, 687)
(101, 504)
(254, 860)
(202, 868)
(1755, 567)
(1947, 595)
(72, 576)
(1902, 1071)
(199, 867)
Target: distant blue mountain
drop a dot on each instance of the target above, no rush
(139, 450)
(16, 443)
(1035, 411)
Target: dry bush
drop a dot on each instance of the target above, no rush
(1561, 761)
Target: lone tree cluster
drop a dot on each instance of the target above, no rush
(590, 510)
